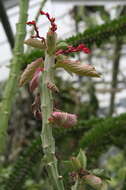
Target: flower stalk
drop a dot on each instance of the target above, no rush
(48, 142)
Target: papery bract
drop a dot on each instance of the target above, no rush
(28, 73)
(35, 43)
(63, 119)
(77, 67)
(35, 80)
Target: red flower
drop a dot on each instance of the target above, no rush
(36, 30)
(52, 21)
(71, 49)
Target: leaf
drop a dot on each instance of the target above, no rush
(82, 158)
(101, 173)
(77, 67)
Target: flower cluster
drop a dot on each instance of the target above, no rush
(52, 21)
(60, 51)
(33, 23)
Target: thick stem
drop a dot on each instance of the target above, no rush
(11, 86)
(48, 142)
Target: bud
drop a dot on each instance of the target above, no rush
(61, 45)
(29, 71)
(78, 68)
(35, 43)
(82, 158)
(93, 181)
(35, 80)
(51, 42)
(76, 165)
(63, 119)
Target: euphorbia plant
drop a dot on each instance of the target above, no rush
(41, 74)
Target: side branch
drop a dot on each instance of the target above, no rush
(101, 33)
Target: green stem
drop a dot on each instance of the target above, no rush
(11, 86)
(48, 142)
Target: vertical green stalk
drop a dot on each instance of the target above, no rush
(48, 142)
(11, 85)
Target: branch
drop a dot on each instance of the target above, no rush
(103, 129)
(100, 34)
(11, 86)
(115, 72)
(23, 166)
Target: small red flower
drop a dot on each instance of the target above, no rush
(72, 49)
(31, 22)
(52, 21)
(36, 30)
(53, 26)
